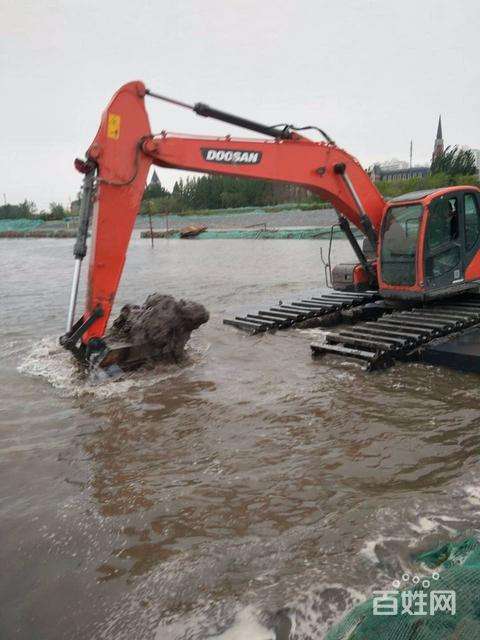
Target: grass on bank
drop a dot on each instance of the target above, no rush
(289, 206)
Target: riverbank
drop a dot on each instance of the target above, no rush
(39, 233)
(274, 208)
(249, 220)
(244, 218)
(258, 233)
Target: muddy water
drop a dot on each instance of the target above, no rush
(197, 501)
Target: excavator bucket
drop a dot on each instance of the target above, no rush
(157, 330)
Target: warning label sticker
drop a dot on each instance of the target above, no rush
(113, 126)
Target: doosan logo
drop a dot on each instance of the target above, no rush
(230, 156)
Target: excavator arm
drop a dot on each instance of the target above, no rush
(116, 170)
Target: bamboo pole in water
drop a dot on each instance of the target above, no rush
(151, 228)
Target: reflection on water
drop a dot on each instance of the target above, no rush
(249, 491)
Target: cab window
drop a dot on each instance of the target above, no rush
(442, 249)
(399, 244)
(443, 222)
(472, 221)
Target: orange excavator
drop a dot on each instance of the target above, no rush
(420, 249)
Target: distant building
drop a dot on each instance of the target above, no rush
(393, 165)
(379, 173)
(400, 170)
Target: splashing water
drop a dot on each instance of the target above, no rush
(48, 360)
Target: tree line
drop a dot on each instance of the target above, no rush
(192, 194)
(28, 209)
(219, 192)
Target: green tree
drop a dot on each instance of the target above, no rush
(393, 188)
(26, 209)
(455, 162)
(218, 191)
(155, 190)
(56, 211)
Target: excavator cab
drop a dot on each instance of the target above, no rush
(429, 244)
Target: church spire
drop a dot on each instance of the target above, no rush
(439, 129)
(154, 179)
(438, 147)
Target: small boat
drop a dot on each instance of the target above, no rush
(192, 231)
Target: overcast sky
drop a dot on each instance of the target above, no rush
(373, 74)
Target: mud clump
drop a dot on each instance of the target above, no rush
(160, 328)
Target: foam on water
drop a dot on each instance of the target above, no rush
(47, 359)
(246, 625)
(307, 617)
(424, 525)
(256, 615)
(321, 607)
(472, 493)
(369, 549)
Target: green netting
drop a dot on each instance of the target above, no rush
(282, 234)
(285, 233)
(19, 224)
(444, 605)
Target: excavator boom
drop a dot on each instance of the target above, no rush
(124, 149)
